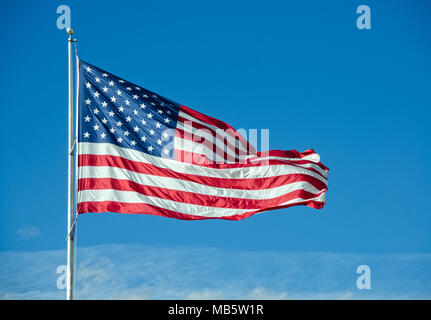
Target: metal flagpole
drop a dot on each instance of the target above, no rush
(70, 189)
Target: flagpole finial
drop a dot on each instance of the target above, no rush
(69, 31)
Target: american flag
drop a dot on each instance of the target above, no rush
(141, 153)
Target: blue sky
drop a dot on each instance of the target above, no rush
(303, 70)
(138, 271)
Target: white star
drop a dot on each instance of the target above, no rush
(167, 120)
(143, 121)
(160, 111)
(127, 102)
(126, 133)
(168, 112)
(113, 99)
(120, 139)
(96, 94)
(88, 101)
(153, 103)
(165, 135)
(136, 129)
(128, 88)
(103, 135)
(135, 112)
(121, 81)
(104, 121)
(158, 125)
(133, 142)
(97, 80)
(119, 92)
(155, 96)
(159, 142)
(96, 127)
(137, 88)
(105, 89)
(128, 118)
(87, 119)
(88, 85)
(135, 96)
(145, 96)
(111, 83)
(119, 124)
(144, 138)
(86, 135)
(166, 151)
(88, 69)
(121, 109)
(150, 148)
(152, 132)
(150, 116)
(105, 74)
(112, 130)
(111, 113)
(143, 106)
(96, 111)
(104, 104)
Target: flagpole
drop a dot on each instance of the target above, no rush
(70, 189)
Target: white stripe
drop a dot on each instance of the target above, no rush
(185, 208)
(188, 186)
(231, 173)
(320, 198)
(314, 157)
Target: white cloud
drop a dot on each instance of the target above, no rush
(141, 272)
(264, 294)
(205, 294)
(28, 232)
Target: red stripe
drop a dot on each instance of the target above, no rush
(290, 153)
(191, 197)
(249, 184)
(190, 157)
(143, 208)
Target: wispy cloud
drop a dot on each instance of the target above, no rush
(141, 272)
(28, 232)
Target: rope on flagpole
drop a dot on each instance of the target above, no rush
(72, 228)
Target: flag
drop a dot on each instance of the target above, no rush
(141, 153)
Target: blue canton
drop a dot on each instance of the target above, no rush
(113, 110)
